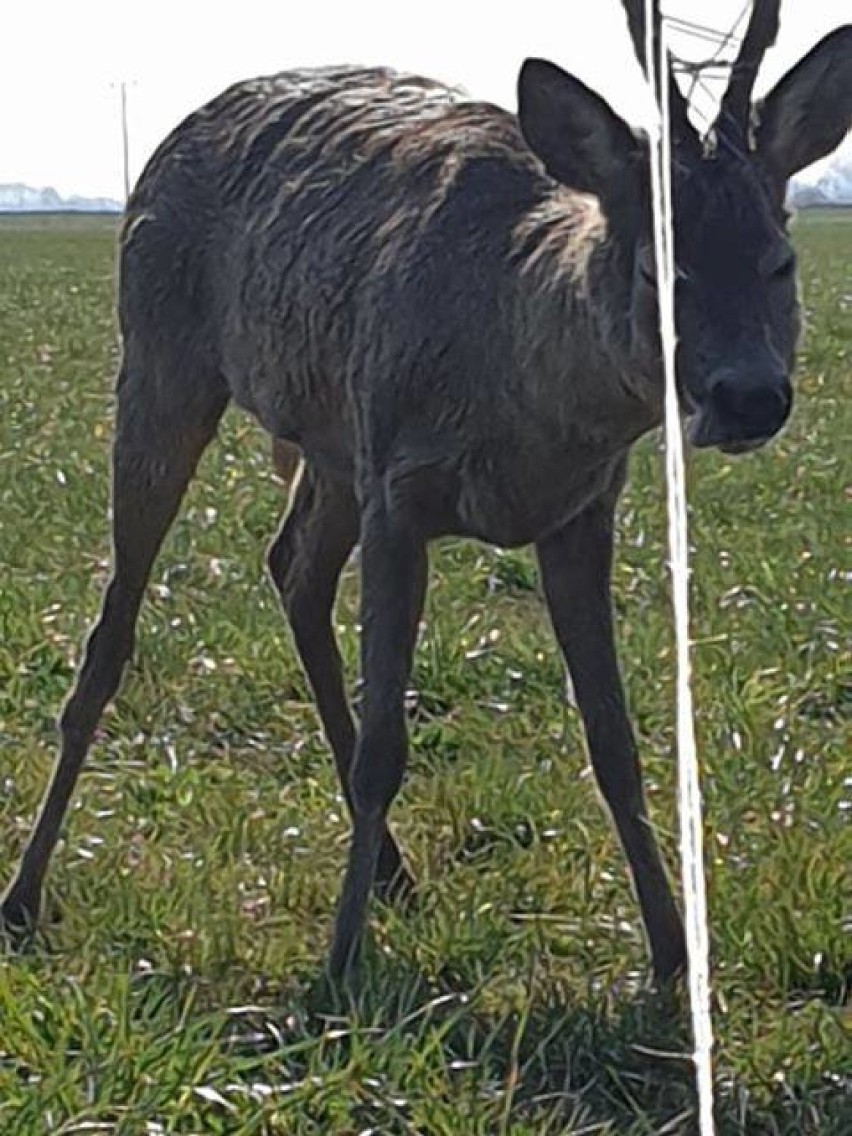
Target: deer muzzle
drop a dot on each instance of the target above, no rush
(742, 413)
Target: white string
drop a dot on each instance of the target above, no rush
(689, 790)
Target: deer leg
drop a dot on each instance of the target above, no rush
(393, 585)
(154, 457)
(576, 564)
(305, 562)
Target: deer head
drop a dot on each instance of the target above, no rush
(736, 297)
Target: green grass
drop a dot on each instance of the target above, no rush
(179, 992)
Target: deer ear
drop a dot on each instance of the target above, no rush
(807, 114)
(579, 138)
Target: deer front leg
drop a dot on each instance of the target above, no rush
(393, 584)
(575, 564)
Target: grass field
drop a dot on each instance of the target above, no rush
(179, 993)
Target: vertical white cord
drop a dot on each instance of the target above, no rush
(689, 790)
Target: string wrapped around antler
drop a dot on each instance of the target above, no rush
(734, 118)
(681, 127)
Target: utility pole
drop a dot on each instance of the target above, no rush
(125, 149)
(125, 135)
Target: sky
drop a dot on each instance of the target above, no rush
(61, 60)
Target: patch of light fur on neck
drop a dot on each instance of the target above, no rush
(689, 790)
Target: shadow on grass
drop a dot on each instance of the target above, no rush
(587, 1062)
(605, 1064)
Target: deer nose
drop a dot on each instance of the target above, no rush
(749, 410)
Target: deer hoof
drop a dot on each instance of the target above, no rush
(17, 923)
(670, 965)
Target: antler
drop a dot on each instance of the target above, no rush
(735, 111)
(682, 128)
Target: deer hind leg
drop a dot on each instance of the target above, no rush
(162, 427)
(305, 562)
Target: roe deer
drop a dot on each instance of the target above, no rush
(451, 311)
